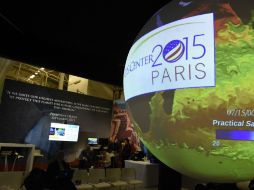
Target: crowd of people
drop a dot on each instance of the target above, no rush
(58, 174)
(111, 156)
(123, 145)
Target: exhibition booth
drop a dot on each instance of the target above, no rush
(188, 100)
(38, 121)
(145, 171)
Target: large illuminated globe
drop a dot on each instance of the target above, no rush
(188, 84)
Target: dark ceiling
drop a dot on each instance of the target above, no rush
(90, 39)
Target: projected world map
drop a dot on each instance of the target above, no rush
(189, 90)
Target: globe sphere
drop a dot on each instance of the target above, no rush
(188, 85)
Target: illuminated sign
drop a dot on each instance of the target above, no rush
(177, 55)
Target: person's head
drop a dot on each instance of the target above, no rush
(60, 155)
(200, 186)
(116, 109)
(88, 147)
(109, 150)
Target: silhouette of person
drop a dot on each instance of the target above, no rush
(59, 174)
(126, 151)
(87, 158)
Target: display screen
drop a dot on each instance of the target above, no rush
(92, 140)
(189, 90)
(36, 107)
(63, 132)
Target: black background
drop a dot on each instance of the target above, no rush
(85, 38)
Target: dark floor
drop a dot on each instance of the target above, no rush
(241, 185)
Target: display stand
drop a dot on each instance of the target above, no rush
(145, 171)
(7, 149)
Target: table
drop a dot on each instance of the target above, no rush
(145, 171)
(11, 147)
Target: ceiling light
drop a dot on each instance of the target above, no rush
(32, 76)
(42, 68)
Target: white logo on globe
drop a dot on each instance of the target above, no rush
(177, 55)
(173, 51)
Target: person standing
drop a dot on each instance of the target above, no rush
(87, 158)
(126, 151)
(59, 174)
(108, 157)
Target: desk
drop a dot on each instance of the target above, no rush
(145, 171)
(29, 154)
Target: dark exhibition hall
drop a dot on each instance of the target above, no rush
(121, 95)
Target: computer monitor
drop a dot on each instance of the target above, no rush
(92, 140)
(63, 132)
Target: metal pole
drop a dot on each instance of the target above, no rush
(61, 81)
